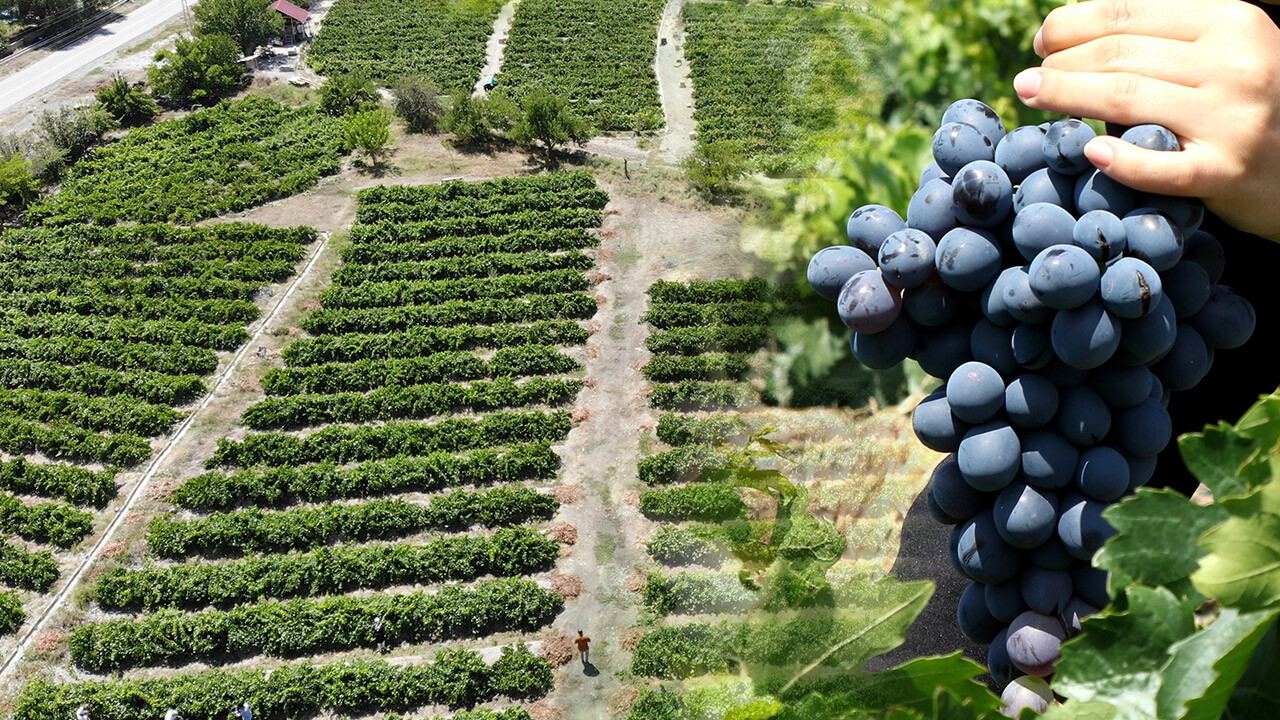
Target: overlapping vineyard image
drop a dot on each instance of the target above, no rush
(634, 360)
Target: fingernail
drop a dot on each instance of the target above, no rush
(1027, 84)
(1099, 152)
(1038, 43)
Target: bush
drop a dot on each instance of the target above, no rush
(692, 395)
(370, 132)
(708, 503)
(697, 593)
(197, 71)
(472, 121)
(75, 130)
(518, 673)
(17, 186)
(714, 168)
(128, 104)
(11, 613)
(347, 94)
(417, 101)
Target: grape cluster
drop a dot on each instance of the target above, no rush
(1062, 309)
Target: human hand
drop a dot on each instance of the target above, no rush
(1206, 69)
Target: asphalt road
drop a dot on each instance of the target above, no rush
(85, 52)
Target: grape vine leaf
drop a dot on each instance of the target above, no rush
(1241, 566)
(1256, 695)
(1156, 540)
(1197, 682)
(1222, 459)
(1119, 656)
(930, 688)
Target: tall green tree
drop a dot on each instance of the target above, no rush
(128, 104)
(369, 132)
(348, 93)
(547, 119)
(197, 70)
(248, 22)
(418, 102)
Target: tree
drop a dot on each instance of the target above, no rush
(248, 22)
(418, 102)
(714, 168)
(370, 132)
(17, 186)
(197, 70)
(348, 93)
(129, 105)
(547, 119)
(75, 130)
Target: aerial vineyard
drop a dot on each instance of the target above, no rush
(231, 156)
(443, 42)
(107, 333)
(598, 55)
(397, 469)
(775, 77)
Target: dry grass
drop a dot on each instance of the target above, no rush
(557, 650)
(568, 494)
(564, 533)
(567, 586)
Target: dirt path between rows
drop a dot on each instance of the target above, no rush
(493, 50)
(674, 86)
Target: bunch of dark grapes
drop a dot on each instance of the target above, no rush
(1062, 309)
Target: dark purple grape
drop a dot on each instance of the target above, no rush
(931, 304)
(1083, 418)
(1021, 301)
(1147, 338)
(1021, 152)
(1121, 386)
(968, 259)
(1046, 591)
(992, 345)
(979, 115)
(1096, 191)
(930, 209)
(1048, 459)
(831, 268)
(868, 304)
(1031, 345)
(888, 348)
(980, 553)
(973, 618)
(1004, 601)
(989, 456)
(1085, 337)
(941, 350)
(1204, 249)
(935, 425)
(1039, 226)
(1090, 584)
(1131, 288)
(1030, 401)
(1152, 137)
(1034, 643)
(1151, 236)
(1081, 527)
(957, 144)
(869, 225)
(1100, 234)
(906, 258)
(981, 194)
(1063, 276)
(1064, 146)
(1226, 321)
(1186, 363)
(1102, 474)
(1046, 186)
(954, 496)
(1143, 430)
(1025, 516)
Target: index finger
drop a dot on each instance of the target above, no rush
(1072, 25)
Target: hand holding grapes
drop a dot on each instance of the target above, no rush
(1206, 69)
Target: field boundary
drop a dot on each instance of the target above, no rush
(221, 379)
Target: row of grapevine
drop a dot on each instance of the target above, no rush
(443, 42)
(598, 55)
(775, 78)
(106, 334)
(308, 528)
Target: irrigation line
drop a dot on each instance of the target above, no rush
(152, 469)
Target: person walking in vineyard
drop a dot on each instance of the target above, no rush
(1207, 70)
(82, 712)
(584, 648)
(243, 712)
(172, 714)
(380, 634)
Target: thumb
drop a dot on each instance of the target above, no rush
(1187, 173)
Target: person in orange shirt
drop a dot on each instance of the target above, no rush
(584, 647)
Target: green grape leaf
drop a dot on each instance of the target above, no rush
(1261, 423)
(928, 687)
(1156, 538)
(1220, 457)
(1241, 566)
(1206, 666)
(763, 709)
(1076, 710)
(1257, 694)
(1118, 657)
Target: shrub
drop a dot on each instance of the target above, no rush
(696, 593)
(472, 121)
(128, 104)
(17, 186)
(518, 673)
(370, 132)
(11, 613)
(714, 168)
(197, 71)
(347, 94)
(417, 101)
(75, 130)
(708, 503)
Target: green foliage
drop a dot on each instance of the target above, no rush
(328, 571)
(682, 464)
(714, 168)
(596, 54)
(473, 120)
(248, 22)
(21, 568)
(518, 673)
(17, 186)
(229, 157)
(420, 341)
(369, 132)
(417, 102)
(698, 340)
(378, 242)
(76, 485)
(666, 315)
(453, 312)
(707, 503)
(56, 523)
(197, 71)
(457, 677)
(302, 627)
(503, 196)
(697, 593)
(1194, 586)
(347, 94)
(548, 119)
(128, 104)
(712, 366)
(253, 530)
(709, 291)
(694, 395)
(679, 430)
(770, 82)
(324, 482)
(74, 130)
(440, 41)
(11, 613)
